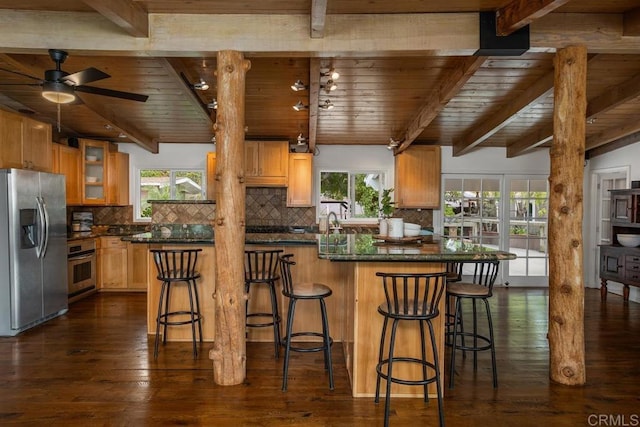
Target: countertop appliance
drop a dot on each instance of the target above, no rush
(33, 242)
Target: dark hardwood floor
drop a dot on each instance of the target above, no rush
(95, 366)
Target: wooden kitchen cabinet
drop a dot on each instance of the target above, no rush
(417, 177)
(211, 176)
(266, 163)
(299, 190)
(66, 161)
(118, 179)
(112, 263)
(95, 163)
(137, 266)
(25, 143)
(619, 263)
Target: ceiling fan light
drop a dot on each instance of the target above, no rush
(298, 85)
(58, 92)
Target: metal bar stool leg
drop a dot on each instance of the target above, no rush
(327, 342)
(287, 339)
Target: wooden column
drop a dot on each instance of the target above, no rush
(229, 350)
(566, 287)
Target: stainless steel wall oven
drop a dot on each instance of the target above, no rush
(81, 255)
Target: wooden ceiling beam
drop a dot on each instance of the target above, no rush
(541, 89)
(530, 141)
(618, 143)
(126, 14)
(631, 23)
(174, 67)
(439, 98)
(613, 97)
(520, 13)
(318, 18)
(121, 125)
(612, 134)
(314, 101)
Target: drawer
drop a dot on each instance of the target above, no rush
(112, 243)
(632, 266)
(632, 259)
(632, 277)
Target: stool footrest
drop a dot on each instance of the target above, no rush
(307, 349)
(165, 316)
(397, 380)
(262, 325)
(485, 340)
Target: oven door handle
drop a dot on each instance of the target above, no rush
(82, 257)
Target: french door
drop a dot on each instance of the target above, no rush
(501, 212)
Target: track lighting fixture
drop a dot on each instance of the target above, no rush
(300, 106)
(332, 74)
(201, 85)
(327, 105)
(298, 85)
(392, 144)
(213, 105)
(329, 86)
(301, 139)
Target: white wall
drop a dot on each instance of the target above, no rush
(628, 157)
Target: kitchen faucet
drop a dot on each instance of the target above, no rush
(329, 223)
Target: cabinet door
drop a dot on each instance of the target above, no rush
(300, 180)
(36, 150)
(251, 158)
(137, 265)
(118, 179)
(274, 159)
(611, 263)
(621, 208)
(112, 258)
(211, 176)
(417, 177)
(10, 140)
(95, 159)
(68, 159)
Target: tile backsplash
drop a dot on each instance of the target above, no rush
(264, 207)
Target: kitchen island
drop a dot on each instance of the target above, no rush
(347, 263)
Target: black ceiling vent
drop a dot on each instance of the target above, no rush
(514, 44)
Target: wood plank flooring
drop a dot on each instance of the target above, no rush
(95, 366)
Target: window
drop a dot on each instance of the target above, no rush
(351, 195)
(168, 184)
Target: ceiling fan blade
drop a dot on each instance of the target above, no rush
(20, 84)
(112, 93)
(20, 74)
(85, 76)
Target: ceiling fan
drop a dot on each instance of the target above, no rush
(58, 86)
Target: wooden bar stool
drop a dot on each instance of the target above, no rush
(261, 268)
(479, 289)
(177, 266)
(410, 298)
(304, 291)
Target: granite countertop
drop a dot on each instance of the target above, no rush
(250, 238)
(366, 247)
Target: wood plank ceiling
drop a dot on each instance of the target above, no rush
(397, 79)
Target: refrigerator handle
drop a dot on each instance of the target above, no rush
(41, 250)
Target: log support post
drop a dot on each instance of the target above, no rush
(566, 287)
(229, 350)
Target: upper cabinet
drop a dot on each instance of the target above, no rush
(105, 174)
(211, 175)
(625, 207)
(95, 160)
(24, 143)
(118, 179)
(266, 163)
(66, 161)
(417, 177)
(300, 180)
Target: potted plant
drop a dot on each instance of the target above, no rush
(386, 210)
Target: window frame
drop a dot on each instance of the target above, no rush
(351, 192)
(173, 171)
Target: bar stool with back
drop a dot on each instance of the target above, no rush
(410, 297)
(177, 266)
(261, 268)
(479, 289)
(297, 292)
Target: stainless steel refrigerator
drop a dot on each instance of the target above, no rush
(33, 249)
